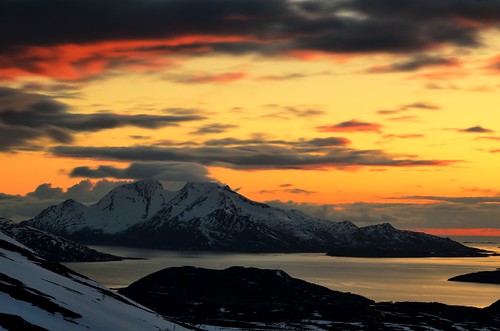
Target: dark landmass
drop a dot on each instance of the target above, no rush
(270, 299)
(487, 277)
(238, 293)
(53, 247)
(383, 240)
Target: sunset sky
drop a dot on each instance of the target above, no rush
(367, 110)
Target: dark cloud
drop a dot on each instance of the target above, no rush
(403, 136)
(18, 207)
(26, 117)
(304, 143)
(250, 156)
(416, 63)
(351, 126)
(461, 214)
(19, 137)
(287, 112)
(427, 10)
(214, 128)
(205, 78)
(327, 142)
(292, 76)
(458, 200)
(194, 27)
(299, 191)
(57, 90)
(46, 191)
(165, 171)
(476, 129)
(420, 105)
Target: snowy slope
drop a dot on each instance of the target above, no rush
(52, 247)
(34, 292)
(211, 216)
(121, 208)
(64, 218)
(129, 204)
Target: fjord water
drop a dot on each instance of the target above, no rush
(380, 279)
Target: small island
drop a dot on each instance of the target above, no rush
(486, 277)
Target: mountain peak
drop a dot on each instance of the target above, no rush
(201, 186)
(384, 226)
(149, 185)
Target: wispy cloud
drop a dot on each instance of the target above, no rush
(287, 112)
(206, 78)
(214, 128)
(28, 117)
(351, 126)
(166, 171)
(475, 129)
(420, 105)
(416, 63)
(314, 154)
(441, 213)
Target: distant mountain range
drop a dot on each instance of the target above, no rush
(209, 216)
(383, 240)
(52, 247)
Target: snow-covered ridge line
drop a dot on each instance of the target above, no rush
(207, 216)
(42, 295)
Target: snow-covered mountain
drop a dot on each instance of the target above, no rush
(130, 204)
(52, 247)
(39, 295)
(118, 210)
(209, 216)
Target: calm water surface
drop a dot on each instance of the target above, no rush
(380, 279)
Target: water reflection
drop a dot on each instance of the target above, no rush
(380, 279)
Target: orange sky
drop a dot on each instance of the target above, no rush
(335, 108)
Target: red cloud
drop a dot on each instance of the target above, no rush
(493, 64)
(74, 62)
(442, 75)
(351, 126)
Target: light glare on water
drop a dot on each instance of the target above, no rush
(380, 279)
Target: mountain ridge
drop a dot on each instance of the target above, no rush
(36, 294)
(211, 216)
(51, 246)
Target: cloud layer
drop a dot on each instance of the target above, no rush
(27, 117)
(320, 153)
(18, 207)
(444, 213)
(82, 38)
(165, 171)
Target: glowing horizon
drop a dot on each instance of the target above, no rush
(334, 108)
